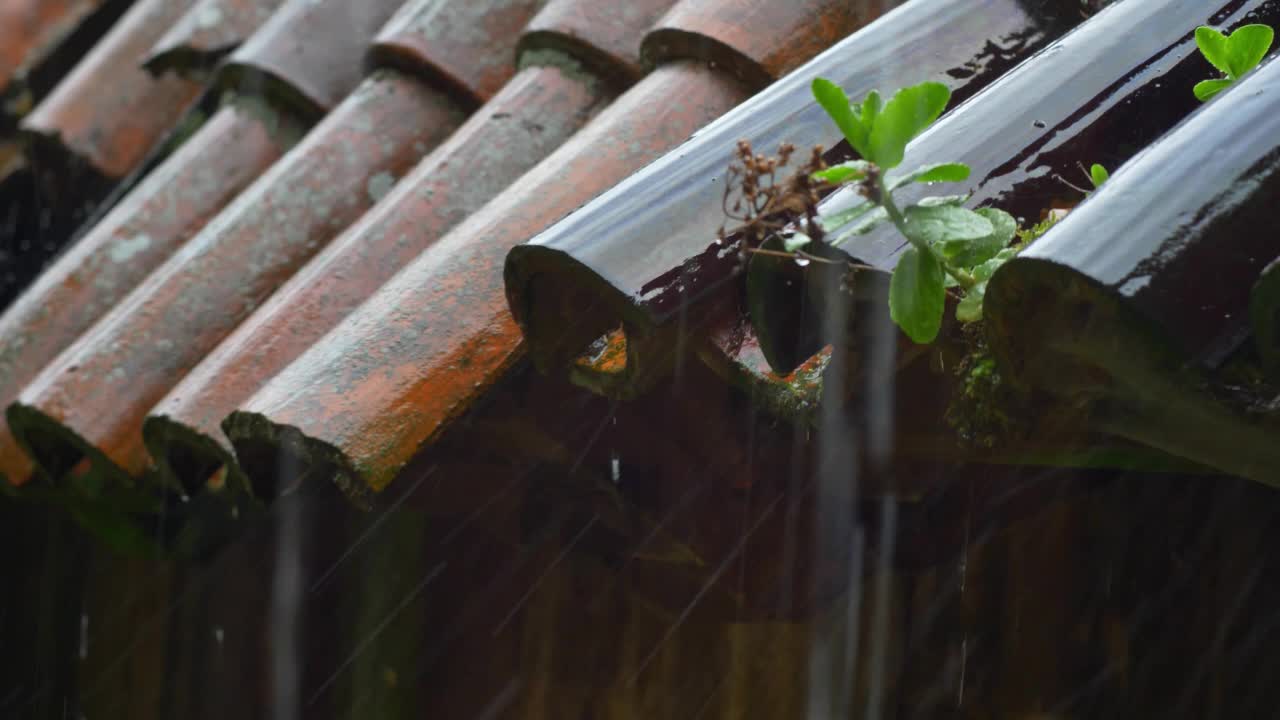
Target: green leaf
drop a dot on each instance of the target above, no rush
(795, 241)
(870, 109)
(832, 99)
(969, 253)
(969, 308)
(837, 220)
(1206, 89)
(1005, 225)
(844, 172)
(1213, 45)
(1247, 46)
(945, 224)
(938, 172)
(983, 272)
(917, 296)
(1098, 175)
(906, 115)
(869, 221)
(943, 200)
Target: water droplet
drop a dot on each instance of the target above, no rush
(84, 636)
(802, 261)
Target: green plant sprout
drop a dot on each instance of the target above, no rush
(950, 246)
(1098, 175)
(1233, 55)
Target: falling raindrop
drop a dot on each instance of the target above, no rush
(84, 636)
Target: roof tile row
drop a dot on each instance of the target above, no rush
(92, 117)
(1155, 320)
(347, 376)
(100, 389)
(646, 248)
(543, 105)
(206, 34)
(363, 400)
(39, 39)
(154, 219)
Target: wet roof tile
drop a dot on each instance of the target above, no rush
(303, 53)
(109, 113)
(207, 33)
(39, 38)
(175, 200)
(551, 97)
(364, 387)
(641, 250)
(600, 35)
(28, 27)
(385, 381)
(93, 398)
(244, 137)
(101, 388)
(467, 47)
(1150, 316)
(597, 256)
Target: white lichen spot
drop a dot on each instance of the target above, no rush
(124, 250)
(379, 185)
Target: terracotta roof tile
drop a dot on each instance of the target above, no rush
(1146, 287)
(101, 268)
(303, 54)
(39, 39)
(30, 26)
(550, 98)
(468, 46)
(643, 249)
(207, 33)
(385, 381)
(100, 388)
(601, 35)
(109, 113)
(243, 138)
(757, 42)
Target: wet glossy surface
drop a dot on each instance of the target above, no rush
(101, 387)
(465, 44)
(1264, 316)
(1182, 231)
(309, 52)
(1100, 94)
(209, 31)
(437, 336)
(140, 232)
(647, 246)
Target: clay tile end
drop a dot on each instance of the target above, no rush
(278, 459)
